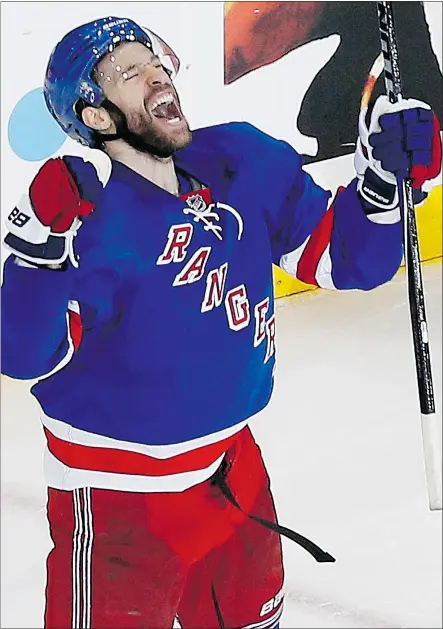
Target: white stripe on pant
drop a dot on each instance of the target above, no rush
(81, 559)
(270, 622)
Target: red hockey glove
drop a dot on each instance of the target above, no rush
(44, 224)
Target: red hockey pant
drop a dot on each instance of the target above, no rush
(131, 560)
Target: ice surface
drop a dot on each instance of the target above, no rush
(342, 442)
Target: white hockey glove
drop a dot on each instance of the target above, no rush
(395, 141)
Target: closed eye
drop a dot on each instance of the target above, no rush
(132, 71)
(128, 76)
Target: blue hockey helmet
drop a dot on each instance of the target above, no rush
(70, 68)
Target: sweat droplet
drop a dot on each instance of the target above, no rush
(118, 68)
(112, 58)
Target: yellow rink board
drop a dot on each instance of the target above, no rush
(429, 223)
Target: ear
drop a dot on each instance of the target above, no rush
(98, 118)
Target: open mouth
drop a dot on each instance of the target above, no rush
(165, 108)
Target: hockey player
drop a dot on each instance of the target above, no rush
(139, 293)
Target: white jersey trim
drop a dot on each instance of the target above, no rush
(323, 274)
(60, 476)
(289, 261)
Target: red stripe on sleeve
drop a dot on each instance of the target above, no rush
(319, 240)
(75, 328)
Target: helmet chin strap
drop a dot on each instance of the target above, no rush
(124, 133)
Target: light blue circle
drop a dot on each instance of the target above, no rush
(32, 132)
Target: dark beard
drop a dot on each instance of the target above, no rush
(145, 141)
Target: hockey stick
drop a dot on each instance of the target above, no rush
(429, 420)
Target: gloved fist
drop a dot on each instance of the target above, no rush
(42, 228)
(395, 141)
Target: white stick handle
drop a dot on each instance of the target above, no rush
(431, 432)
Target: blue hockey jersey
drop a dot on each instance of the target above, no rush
(175, 297)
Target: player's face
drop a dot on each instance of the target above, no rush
(134, 80)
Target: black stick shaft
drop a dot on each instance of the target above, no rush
(416, 296)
